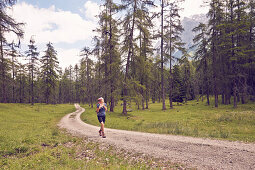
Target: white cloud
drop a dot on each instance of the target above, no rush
(58, 27)
(52, 25)
(92, 9)
(68, 57)
(192, 7)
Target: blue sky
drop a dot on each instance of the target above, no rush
(66, 5)
(68, 24)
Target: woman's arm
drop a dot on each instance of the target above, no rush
(98, 107)
(105, 107)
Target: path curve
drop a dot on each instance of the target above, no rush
(192, 152)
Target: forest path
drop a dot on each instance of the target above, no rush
(192, 152)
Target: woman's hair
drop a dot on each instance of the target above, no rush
(101, 99)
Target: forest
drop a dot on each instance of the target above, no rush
(123, 65)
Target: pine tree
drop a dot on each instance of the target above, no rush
(242, 36)
(129, 23)
(32, 55)
(178, 87)
(87, 76)
(50, 71)
(187, 78)
(64, 87)
(215, 18)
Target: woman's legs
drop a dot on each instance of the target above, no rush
(102, 127)
(101, 119)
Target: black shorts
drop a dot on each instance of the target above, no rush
(101, 119)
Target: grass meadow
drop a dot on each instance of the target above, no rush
(30, 139)
(190, 119)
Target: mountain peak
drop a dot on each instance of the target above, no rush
(188, 24)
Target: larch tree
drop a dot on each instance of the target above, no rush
(145, 37)
(114, 55)
(129, 23)
(173, 40)
(162, 56)
(215, 15)
(202, 55)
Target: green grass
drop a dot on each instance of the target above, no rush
(30, 139)
(190, 119)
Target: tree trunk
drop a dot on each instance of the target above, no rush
(235, 94)
(208, 98)
(32, 83)
(207, 83)
(170, 71)
(222, 97)
(13, 77)
(110, 44)
(20, 88)
(147, 97)
(214, 65)
(143, 101)
(91, 101)
(215, 78)
(130, 50)
(244, 91)
(4, 100)
(162, 57)
(232, 55)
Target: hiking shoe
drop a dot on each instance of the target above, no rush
(100, 132)
(103, 135)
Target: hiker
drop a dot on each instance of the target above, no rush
(101, 109)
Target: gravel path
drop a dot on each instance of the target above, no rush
(192, 152)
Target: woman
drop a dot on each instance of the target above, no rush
(101, 109)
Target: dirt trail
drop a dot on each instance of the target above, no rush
(192, 152)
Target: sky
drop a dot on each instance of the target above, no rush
(68, 24)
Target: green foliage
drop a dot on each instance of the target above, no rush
(223, 53)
